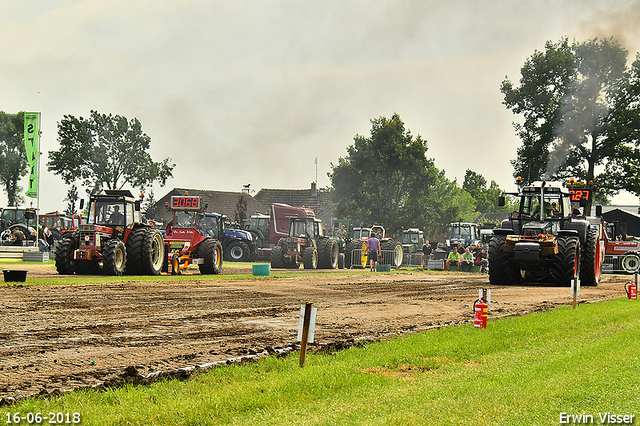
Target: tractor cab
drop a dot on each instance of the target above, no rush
(111, 213)
(412, 240)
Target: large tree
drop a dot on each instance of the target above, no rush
(13, 160)
(486, 197)
(578, 102)
(106, 151)
(383, 176)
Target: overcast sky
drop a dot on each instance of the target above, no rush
(251, 92)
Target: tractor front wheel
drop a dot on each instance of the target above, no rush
(211, 251)
(310, 258)
(63, 253)
(114, 257)
(237, 251)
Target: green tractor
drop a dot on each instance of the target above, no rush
(412, 242)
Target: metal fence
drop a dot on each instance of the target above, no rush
(621, 264)
(359, 259)
(413, 259)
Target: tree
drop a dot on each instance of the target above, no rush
(384, 177)
(106, 151)
(580, 106)
(13, 160)
(71, 199)
(486, 198)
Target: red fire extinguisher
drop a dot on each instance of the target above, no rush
(481, 309)
(632, 291)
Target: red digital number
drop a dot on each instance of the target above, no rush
(185, 202)
(577, 194)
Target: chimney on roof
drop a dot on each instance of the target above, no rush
(314, 190)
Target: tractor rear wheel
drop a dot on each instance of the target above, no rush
(310, 258)
(566, 264)
(152, 252)
(63, 253)
(134, 243)
(591, 261)
(276, 257)
(211, 251)
(114, 257)
(328, 253)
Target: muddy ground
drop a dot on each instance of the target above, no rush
(60, 337)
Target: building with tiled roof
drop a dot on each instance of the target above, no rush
(218, 201)
(319, 200)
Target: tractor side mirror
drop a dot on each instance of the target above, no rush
(137, 205)
(81, 203)
(29, 214)
(501, 201)
(598, 210)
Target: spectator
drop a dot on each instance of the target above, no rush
(426, 249)
(42, 240)
(467, 261)
(6, 236)
(454, 257)
(482, 262)
(18, 237)
(373, 247)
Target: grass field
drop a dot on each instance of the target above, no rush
(520, 371)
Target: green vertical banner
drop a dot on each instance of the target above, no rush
(32, 146)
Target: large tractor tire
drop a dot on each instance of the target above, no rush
(63, 253)
(276, 257)
(114, 257)
(135, 240)
(211, 251)
(310, 258)
(341, 258)
(145, 251)
(397, 255)
(500, 268)
(630, 262)
(566, 264)
(591, 261)
(152, 252)
(328, 253)
(237, 251)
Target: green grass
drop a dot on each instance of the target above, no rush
(520, 371)
(191, 275)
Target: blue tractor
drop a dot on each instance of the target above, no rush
(238, 244)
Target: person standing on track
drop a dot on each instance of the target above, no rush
(373, 247)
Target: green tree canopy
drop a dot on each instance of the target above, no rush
(580, 104)
(13, 160)
(486, 198)
(106, 151)
(387, 179)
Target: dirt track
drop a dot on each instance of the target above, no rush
(58, 337)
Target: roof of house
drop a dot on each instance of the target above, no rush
(218, 201)
(318, 200)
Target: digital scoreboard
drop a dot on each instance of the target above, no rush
(578, 194)
(185, 202)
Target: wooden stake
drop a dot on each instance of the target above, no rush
(305, 333)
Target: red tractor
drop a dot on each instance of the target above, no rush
(114, 240)
(187, 239)
(305, 244)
